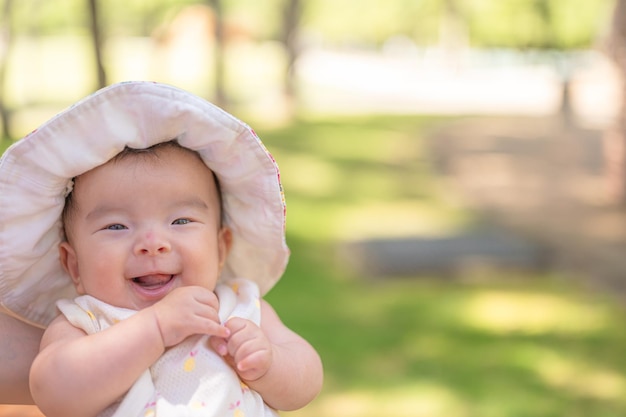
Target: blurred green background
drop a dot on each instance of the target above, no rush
(457, 241)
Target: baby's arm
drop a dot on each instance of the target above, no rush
(273, 360)
(19, 344)
(78, 374)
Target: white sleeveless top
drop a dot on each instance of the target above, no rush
(190, 379)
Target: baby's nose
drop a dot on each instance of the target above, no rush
(152, 243)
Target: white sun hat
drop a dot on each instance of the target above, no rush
(36, 173)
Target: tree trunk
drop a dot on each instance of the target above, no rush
(614, 140)
(291, 24)
(453, 35)
(220, 90)
(96, 37)
(6, 42)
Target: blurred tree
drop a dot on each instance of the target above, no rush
(615, 136)
(291, 23)
(220, 90)
(96, 37)
(531, 24)
(6, 43)
(453, 32)
(548, 38)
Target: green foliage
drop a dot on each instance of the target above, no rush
(537, 23)
(40, 17)
(511, 23)
(373, 21)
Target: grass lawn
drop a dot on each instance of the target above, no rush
(482, 346)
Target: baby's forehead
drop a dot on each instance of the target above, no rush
(159, 163)
(172, 170)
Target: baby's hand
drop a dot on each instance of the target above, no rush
(247, 350)
(187, 311)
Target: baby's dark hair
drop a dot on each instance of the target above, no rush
(151, 152)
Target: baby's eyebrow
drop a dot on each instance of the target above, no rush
(103, 210)
(185, 203)
(197, 203)
(193, 202)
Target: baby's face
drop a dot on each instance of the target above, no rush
(144, 225)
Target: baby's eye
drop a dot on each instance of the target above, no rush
(116, 226)
(181, 221)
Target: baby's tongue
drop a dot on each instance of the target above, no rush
(152, 280)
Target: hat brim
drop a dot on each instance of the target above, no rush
(35, 171)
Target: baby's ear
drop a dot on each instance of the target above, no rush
(224, 243)
(69, 261)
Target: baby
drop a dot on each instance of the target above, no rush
(154, 222)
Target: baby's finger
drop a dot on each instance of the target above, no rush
(207, 298)
(215, 329)
(256, 360)
(219, 345)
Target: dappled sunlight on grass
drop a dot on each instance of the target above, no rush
(415, 400)
(309, 175)
(493, 345)
(362, 141)
(364, 178)
(581, 377)
(396, 219)
(348, 222)
(406, 346)
(507, 312)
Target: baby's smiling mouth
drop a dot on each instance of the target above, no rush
(153, 281)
